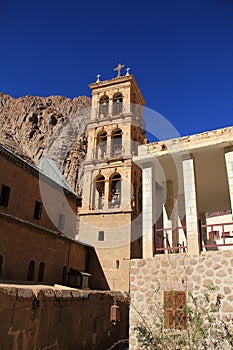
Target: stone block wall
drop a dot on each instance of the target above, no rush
(60, 319)
(22, 242)
(178, 272)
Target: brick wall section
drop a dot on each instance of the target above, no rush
(59, 319)
(178, 272)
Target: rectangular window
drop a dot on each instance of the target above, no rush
(5, 195)
(37, 210)
(101, 236)
(61, 221)
(174, 309)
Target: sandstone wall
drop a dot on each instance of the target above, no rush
(27, 188)
(178, 272)
(59, 319)
(22, 242)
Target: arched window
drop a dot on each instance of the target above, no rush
(104, 106)
(63, 281)
(100, 188)
(1, 265)
(116, 142)
(115, 191)
(41, 271)
(101, 145)
(31, 271)
(117, 103)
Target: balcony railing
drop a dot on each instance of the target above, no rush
(108, 112)
(113, 203)
(163, 240)
(215, 236)
(104, 153)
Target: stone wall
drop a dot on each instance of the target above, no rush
(35, 318)
(27, 187)
(178, 272)
(22, 242)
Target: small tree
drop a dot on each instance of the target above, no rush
(196, 325)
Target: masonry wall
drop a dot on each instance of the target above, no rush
(21, 243)
(178, 272)
(60, 319)
(25, 183)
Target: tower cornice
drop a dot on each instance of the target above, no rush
(116, 81)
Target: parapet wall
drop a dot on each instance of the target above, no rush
(180, 272)
(60, 319)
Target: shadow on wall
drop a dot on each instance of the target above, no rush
(97, 280)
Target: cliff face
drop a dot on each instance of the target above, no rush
(52, 126)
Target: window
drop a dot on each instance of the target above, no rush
(116, 142)
(5, 194)
(99, 185)
(61, 221)
(101, 236)
(31, 271)
(37, 210)
(41, 272)
(115, 191)
(101, 145)
(117, 103)
(174, 309)
(104, 106)
(64, 275)
(117, 264)
(1, 265)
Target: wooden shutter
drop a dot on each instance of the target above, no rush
(180, 313)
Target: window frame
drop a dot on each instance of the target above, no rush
(101, 236)
(37, 210)
(5, 195)
(61, 221)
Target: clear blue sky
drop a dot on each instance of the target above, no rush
(180, 52)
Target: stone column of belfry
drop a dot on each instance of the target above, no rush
(191, 211)
(148, 212)
(106, 194)
(110, 107)
(229, 167)
(109, 144)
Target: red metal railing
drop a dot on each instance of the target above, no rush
(217, 232)
(162, 243)
(216, 235)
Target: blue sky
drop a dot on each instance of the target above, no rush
(180, 52)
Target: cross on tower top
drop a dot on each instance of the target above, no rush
(118, 69)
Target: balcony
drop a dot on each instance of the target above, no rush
(107, 153)
(163, 240)
(214, 237)
(217, 236)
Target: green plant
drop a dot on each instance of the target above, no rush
(195, 325)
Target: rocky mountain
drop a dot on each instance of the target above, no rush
(51, 126)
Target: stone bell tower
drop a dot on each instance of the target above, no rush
(110, 217)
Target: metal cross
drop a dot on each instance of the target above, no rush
(118, 69)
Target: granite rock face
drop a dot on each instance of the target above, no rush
(53, 126)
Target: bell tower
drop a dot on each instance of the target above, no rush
(110, 217)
